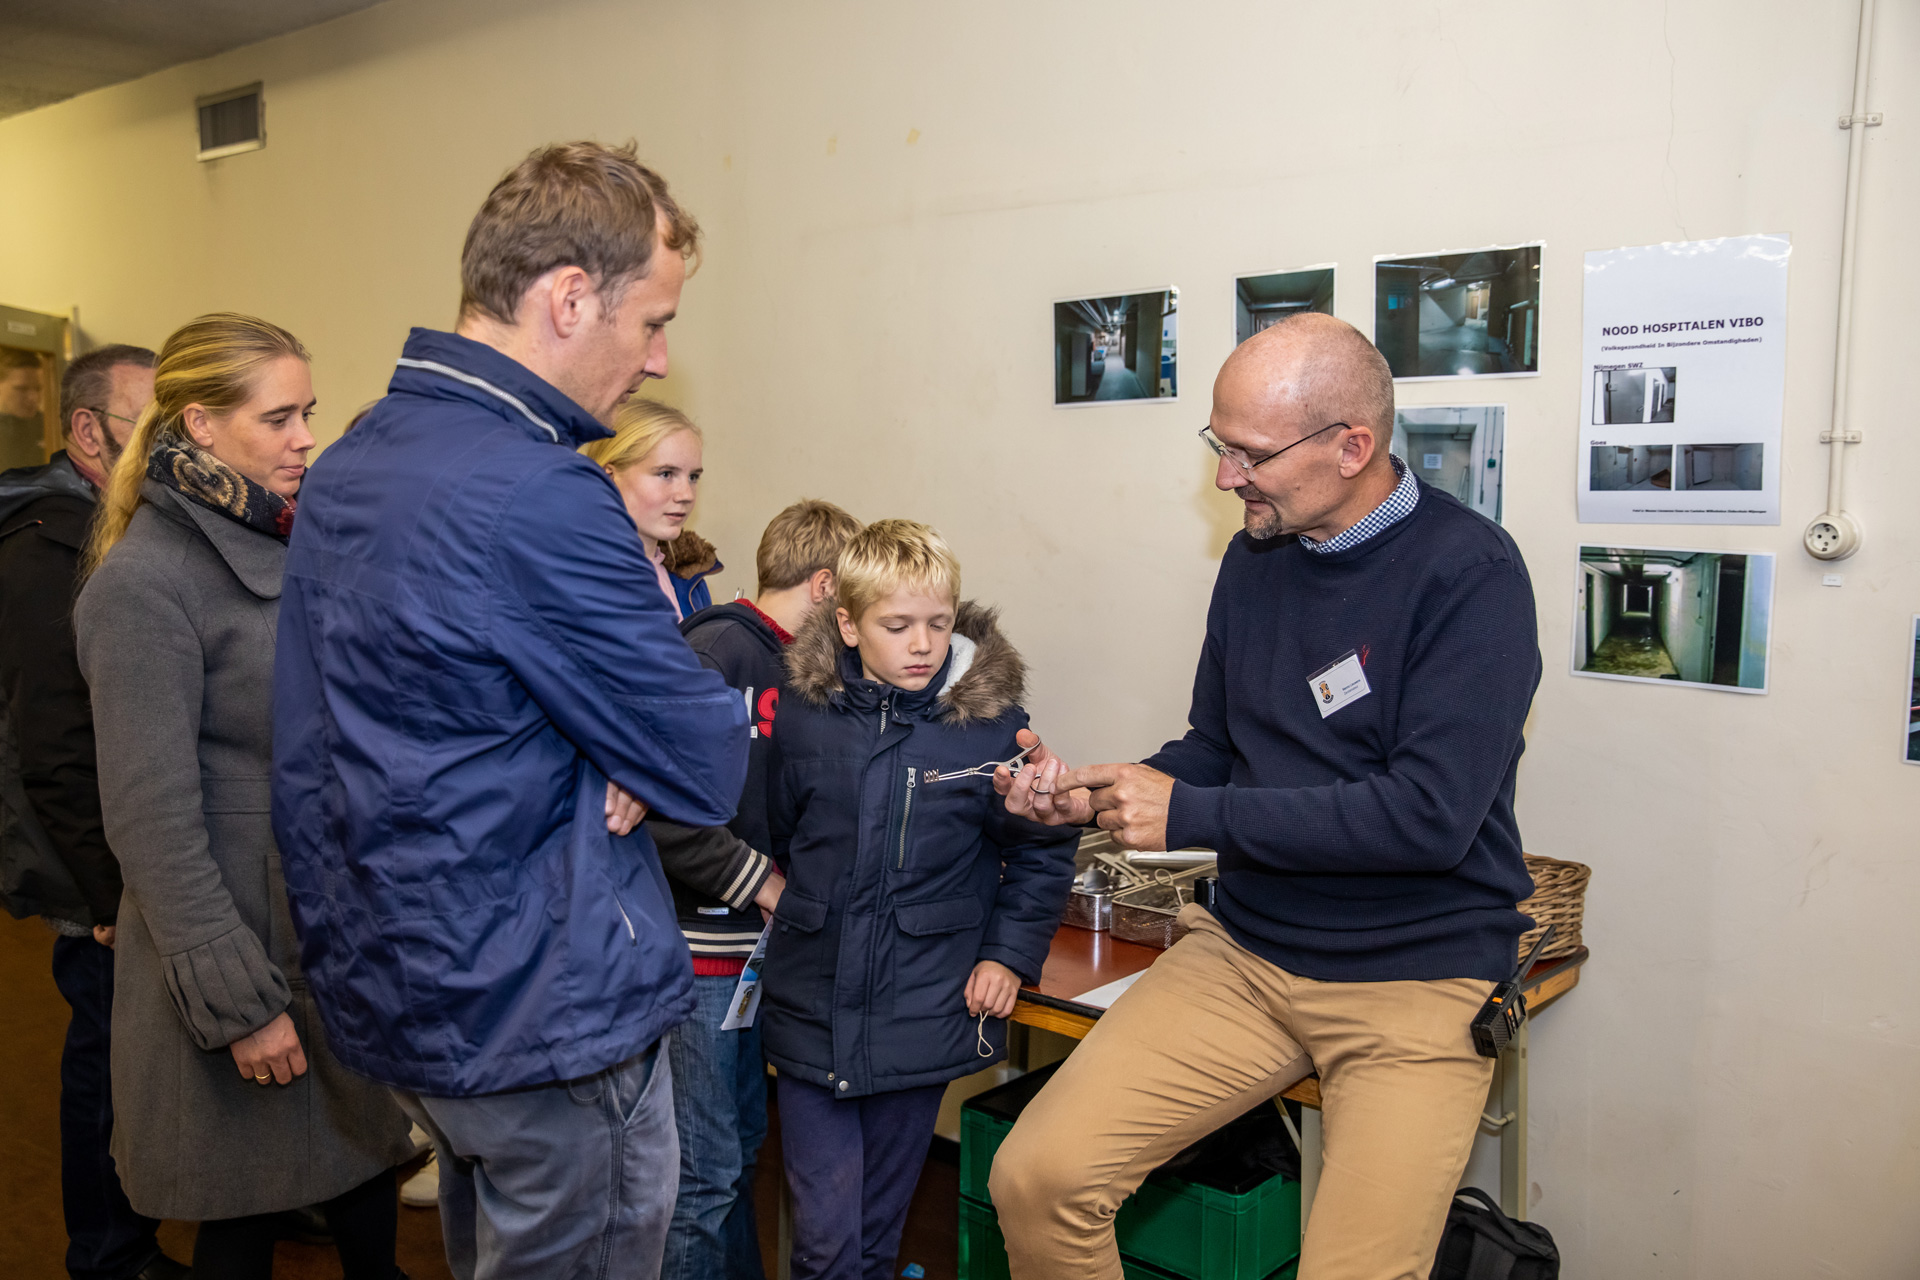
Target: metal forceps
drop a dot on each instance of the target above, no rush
(978, 771)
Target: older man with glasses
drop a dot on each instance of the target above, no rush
(54, 859)
(1355, 730)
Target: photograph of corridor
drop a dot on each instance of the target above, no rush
(1638, 394)
(1456, 448)
(1696, 617)
(1115, 348)
(1261, 301)
(1452, 315)
(1718, 466)
(1641, 466)
(1913, 700)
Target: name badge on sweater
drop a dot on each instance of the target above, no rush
(1338, 683)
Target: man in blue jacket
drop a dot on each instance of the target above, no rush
(478, 691)
(1355, 730)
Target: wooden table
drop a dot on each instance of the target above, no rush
(1082, 960)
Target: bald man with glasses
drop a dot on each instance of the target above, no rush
(1370, 657)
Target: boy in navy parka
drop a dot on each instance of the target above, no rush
(915, 904)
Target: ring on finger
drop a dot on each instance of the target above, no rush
(266, 1079)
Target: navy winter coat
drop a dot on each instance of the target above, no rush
(471, 641)
(900, 878)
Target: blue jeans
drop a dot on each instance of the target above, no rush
(566, 1181)
(106, 1239)
(852, 1164)
(720, 1106)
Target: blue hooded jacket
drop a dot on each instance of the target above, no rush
(904, 869)
(471, 641)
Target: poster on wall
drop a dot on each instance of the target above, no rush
(1458, 448)
(1683, 374)
(1473, 314)
(1266, 298)
(1913, 699)
(1700, 618)
(1122, 347)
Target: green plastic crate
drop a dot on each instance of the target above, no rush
(983, 1250)
(1187, 1228)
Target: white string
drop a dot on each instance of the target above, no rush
(985, 1050)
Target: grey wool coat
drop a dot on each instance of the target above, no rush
(176, 633)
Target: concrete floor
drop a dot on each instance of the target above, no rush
(33, 1238)
(1118, 382)
(1633, 648)
(1462, 348)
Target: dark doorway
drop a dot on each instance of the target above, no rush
(1728, 618)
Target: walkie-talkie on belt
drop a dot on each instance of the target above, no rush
(1500, 1018)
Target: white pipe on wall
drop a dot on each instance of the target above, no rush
(1834, 534)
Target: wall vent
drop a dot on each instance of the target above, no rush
(232, 122)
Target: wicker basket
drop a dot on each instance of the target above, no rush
(1559, 898)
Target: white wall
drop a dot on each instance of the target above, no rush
(893, 194)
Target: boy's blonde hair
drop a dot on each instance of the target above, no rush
(801, 541)
(888, 555)
(638, 429)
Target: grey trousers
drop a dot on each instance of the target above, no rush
(569, 1181)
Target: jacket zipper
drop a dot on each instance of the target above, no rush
(906, 817)
(883, 717)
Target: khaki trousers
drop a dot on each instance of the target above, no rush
(1212, 1031)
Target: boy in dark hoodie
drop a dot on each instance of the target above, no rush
(916, 904)
(722, 880)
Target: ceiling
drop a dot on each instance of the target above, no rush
(54, 49)
(1289, 290)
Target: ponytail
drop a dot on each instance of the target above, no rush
(212, 362)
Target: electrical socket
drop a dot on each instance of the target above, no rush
(1833, 536)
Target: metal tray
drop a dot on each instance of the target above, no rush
(1088, 908)
(1149, 913)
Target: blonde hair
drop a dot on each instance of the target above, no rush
(639, 428)
(888, 555)
(801, 541)
(212, 361)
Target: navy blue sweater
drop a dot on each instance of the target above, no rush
(1377, 844)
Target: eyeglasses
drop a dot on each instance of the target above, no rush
(1238, 457)
(121, 417)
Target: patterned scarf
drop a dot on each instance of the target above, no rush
(192, 472)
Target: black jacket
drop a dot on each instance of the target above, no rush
(44, 517)
(714, 879)
(902, 877)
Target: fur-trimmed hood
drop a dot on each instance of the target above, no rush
(984, 675)
(691, 556)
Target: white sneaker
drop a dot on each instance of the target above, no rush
(422, 1190)
(418, 1137)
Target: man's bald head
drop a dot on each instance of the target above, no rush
(1312, 369)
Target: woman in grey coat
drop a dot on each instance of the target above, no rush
(228, 1107)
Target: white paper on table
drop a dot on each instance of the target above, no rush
(1683, 375)
(1103, 997)
(746, 994)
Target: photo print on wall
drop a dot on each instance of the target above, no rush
(1913, 700)
(1459, 315)
(1693, 617)
(1123, 347)
(1456, 448)
(1260, 301)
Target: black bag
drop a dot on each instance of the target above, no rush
(1482, 1243)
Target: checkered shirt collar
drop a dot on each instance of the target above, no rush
(1398, 506)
